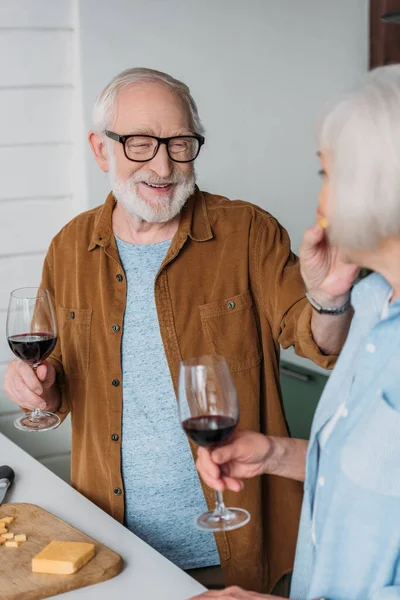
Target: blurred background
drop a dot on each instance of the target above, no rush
(260, 71)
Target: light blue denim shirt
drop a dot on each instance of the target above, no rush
(349, 539)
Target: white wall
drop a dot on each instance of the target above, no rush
(260, 71)
(41, 167)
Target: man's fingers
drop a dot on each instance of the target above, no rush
(29, 399)
(47, 374)
(29, 379)
(41, 372)
(23, 387)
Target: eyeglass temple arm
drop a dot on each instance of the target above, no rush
(115, 136)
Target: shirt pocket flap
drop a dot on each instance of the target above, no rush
(74, 326)
(370, 456)
(231, 330)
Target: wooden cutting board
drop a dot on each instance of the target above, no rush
(17, 582)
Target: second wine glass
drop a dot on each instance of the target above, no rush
(32, 336)
(209, 412)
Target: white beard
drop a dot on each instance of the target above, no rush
(166, 207)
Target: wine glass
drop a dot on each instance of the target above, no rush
(209, 412)
(32, 336)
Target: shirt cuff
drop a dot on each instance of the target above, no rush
(305, 345)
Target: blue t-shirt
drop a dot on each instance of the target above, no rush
(163, 495)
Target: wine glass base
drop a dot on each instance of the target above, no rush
(233, 518)
(45, 422)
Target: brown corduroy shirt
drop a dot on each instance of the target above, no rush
(229, 285)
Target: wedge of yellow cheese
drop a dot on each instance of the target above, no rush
(62, 558)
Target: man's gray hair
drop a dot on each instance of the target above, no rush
(361, 136)
(103, 116)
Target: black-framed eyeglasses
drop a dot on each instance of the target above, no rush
(142, 148)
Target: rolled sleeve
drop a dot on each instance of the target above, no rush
(304, 342)
(282, 294)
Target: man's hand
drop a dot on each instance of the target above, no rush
(30, 389)
(244, 456)
(235, 593)
(327, 277)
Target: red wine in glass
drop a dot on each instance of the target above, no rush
(32, 336)
(209, 412)
(33, 348)
(210, 429)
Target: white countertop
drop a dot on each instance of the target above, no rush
(146, 575)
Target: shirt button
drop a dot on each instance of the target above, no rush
(115, 437)
(371, 348)
(321, 481)
(72, 315)
(119, 277)
(116, 328)
(115, 382)
(231, 304)
(117, 491)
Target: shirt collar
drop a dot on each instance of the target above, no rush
(370, 294)
(194, 221)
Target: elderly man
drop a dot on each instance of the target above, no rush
(161, 272)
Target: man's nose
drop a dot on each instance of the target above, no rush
(161, 163)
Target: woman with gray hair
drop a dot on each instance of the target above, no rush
(349, 540)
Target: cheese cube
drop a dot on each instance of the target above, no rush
(7, 536)
(12, 544)
(7, 520)
(3, 530)
(20, 537)
(2, 541)
(62, 558)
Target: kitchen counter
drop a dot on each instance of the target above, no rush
(146, 575)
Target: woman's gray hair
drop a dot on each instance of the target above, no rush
(361, 136)
(103, 115)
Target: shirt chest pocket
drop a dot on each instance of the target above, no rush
(230, 327)
(74, 326)
(370, 456)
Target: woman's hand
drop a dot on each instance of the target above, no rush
(247, 454)
(242, 457)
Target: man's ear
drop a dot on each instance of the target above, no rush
(98, 146)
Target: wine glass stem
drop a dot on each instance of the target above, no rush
(220, 508)
(36, 414)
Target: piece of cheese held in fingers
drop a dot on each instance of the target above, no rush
(323, 221)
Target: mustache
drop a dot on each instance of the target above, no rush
(153, 179)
